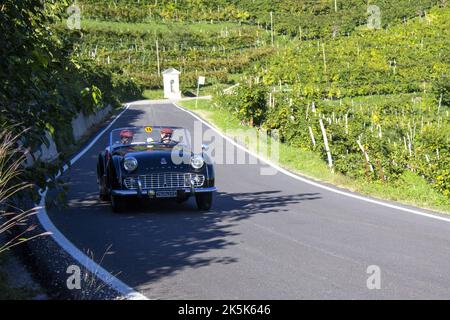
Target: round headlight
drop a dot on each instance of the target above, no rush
(197, 162)
(130, 164)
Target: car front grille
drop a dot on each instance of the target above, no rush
(164, 180)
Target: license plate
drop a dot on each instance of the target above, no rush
(166, 194)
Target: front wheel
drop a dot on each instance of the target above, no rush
(118, 204)
(103, 191)
(204, 201)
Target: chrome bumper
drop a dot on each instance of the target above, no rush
(129, 193)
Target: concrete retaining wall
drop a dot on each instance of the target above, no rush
(80, 125)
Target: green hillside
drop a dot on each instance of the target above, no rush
(215, 38)
(215, 51)
(405, 58)
(314, 17)
(386, 89)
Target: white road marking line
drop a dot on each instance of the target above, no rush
(128, 292)
(318, 185)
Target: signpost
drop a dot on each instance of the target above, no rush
(201, 81)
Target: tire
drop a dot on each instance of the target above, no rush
(103, 193)
(118, 204)
(204, 201)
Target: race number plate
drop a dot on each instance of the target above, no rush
(166, 194)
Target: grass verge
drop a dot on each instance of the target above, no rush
(210, 89)
(410, 189)
(153, 94)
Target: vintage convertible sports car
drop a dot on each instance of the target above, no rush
(154, 162)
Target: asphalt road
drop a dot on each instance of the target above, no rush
(267, 237)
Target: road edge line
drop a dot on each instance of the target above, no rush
(310, 182)
(113, 282)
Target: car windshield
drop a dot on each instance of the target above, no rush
(150, 136)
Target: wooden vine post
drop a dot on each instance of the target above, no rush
(311, 133)
(325, 141)
(271, 29)
(157, 57)
(366, 155)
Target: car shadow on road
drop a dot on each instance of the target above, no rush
(153, 240)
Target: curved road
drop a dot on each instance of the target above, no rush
(268, 237)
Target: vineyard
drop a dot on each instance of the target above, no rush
(403, 59)
(373, 105)
(142, 51)
(302, 18)
(215, 38)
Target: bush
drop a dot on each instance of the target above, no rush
(249, 104)
(441, 89)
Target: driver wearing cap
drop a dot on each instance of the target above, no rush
(126, 137)
(166, 135)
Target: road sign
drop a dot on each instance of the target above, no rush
(201, 80)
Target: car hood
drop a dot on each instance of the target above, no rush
(151, 158)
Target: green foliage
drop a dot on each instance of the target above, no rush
(247, 103)
(406, 58)
(164, 10)
(434, 140)
(398, 134)
(441, 89)
(43, 84)
(30, 59)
